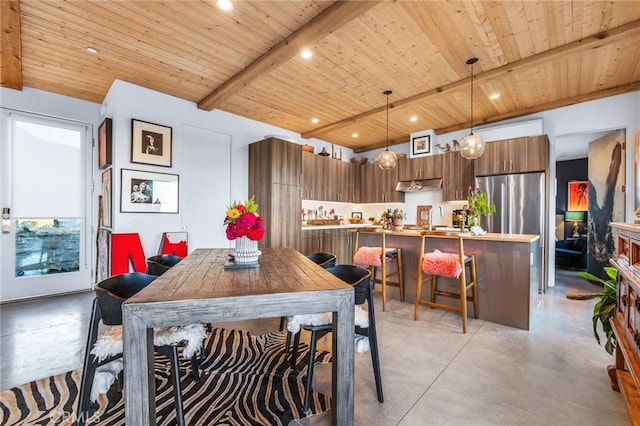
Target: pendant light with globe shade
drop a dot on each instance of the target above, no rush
(387, 160)
(472, 146)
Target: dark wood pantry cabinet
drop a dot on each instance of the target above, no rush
(275, 168)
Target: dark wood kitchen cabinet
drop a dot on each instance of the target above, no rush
(378, 186)
(340, 180)
(625, 374)
(519, 155)
(429, 167)
(327, 179)
(275, 168)
(457, 177)
(336, 241)
(313, 176)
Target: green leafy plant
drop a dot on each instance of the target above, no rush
(605, 308)
(478, 204)
(397, 213)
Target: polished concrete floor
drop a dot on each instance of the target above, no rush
(553, 374)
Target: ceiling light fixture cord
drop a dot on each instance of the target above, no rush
(472, 146)
(387, 160)
(472, 62)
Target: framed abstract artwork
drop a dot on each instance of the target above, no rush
(104, 255)
(578, 196)
(150, 143)
(105, 144)
(106, 200)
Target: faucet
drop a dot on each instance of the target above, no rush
(431, 216)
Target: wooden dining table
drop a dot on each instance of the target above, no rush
(200, 289)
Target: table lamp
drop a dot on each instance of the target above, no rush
(574, 217)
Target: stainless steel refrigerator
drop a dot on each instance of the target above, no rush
(520, 201)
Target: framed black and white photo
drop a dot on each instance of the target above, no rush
(422, 143)
(107, 190)
(150, 143)
(104, 144)
(148, 192)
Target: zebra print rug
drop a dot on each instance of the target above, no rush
(246, 380)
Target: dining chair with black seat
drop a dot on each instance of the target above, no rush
(325, 260)
(320, 325)
(107, 347)
(161, 263)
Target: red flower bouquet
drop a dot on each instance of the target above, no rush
(242, 220)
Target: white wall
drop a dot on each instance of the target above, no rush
(125, 101)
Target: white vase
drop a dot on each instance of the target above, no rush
(246, 251)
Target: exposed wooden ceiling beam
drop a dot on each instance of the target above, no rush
(329, 20)
(551, 105)
(513, 114)
(591, 42)
(10, 45)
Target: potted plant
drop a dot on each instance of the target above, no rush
(478, 205)
(394, 218)
(605, 308)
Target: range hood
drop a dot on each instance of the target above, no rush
(419, 185)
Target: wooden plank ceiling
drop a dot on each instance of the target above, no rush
(536, 55)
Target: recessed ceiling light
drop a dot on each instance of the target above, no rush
(306, 53)
(314, 120)
(494, 96)
(92, 50)
(413, 118)
(354, 135)
(224, 4)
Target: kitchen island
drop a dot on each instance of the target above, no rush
(508, 268)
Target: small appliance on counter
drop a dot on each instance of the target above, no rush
(459, 218)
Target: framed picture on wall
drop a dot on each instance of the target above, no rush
(104, 255)
(578, 196)
(422, 143)
(148, 192)
(150, 143)
(104, 144)
(106, 200)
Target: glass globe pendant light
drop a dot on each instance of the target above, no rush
(387, 160)
(472, 146)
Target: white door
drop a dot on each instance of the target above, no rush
(206, 183)
(45, 188)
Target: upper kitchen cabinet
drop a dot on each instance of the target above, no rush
(428, 167)
(275, 167)
(327, 179)
(457, 176)
(520, 155)
(313, 177)
(378, 186)
(340, 181)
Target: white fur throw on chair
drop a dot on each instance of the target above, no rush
(361, 320)
(110, 344)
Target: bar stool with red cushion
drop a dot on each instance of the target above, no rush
(438, 264)
(371, 257)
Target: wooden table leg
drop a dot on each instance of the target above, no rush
(140, 389)
(342, 364)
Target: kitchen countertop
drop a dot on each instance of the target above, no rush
(346, 226)
(443, 233)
